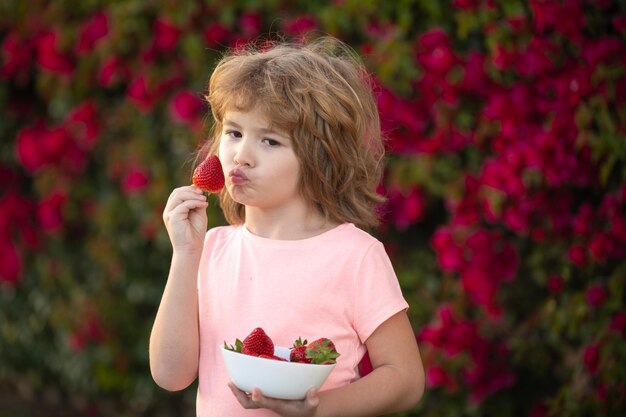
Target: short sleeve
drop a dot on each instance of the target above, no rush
(377, 292)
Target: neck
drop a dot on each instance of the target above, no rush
(286, 225)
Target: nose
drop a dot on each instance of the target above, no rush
(244, 153)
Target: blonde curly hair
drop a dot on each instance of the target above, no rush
(320, 93)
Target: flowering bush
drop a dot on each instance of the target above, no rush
(506, 212)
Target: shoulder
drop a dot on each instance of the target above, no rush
(351, 237)
(220, 234)
(353, 233)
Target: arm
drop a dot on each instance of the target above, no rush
(174, 341)
(395, 384)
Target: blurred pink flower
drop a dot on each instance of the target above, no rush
(113, 70)
(591, 358)
(38, 146)
(600, 246)
(216, 35)
(250, 24)
(49, 57)
(449, 252)
(365, 365)
(135, 180)
(403, 121)
(576, 255)
(50, 211)
(466, 4)
(619, 23)
(10, 262)
(490, 371)
(28, 144)
(300, 25)
(599, 50)
(16, 54)
(433, 87)
(16, 218)
(437, 376)
(186, 107)
(475, 79)
(166, 35)
(575, 85)
(73, 161)
(140, 94)
(467, 211)
(450, 335)
(518, 23)
(600, 4)
(487, 369)
(502, 58)
(447, 139)
(406, 206)
(596, 295)
(16, 229)
(555, 284)
(164, 40)
(489, 260)
(434, 52)
(618, 323)
(92, 31)
(571, 20)
(582, 221)
(497, 105)
(89, 331)
(83, 123)
(544, 14)
(536, 59)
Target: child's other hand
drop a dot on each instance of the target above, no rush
(185, 218)
(285, 408)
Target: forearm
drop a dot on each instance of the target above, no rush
(385, 390)
(174, 342)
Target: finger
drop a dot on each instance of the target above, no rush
(182, 210)
(188, 189)
(312, 399)
(188, 211)
(242, 397)
(275, 404)
(182, 194)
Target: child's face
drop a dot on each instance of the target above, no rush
(261, 167)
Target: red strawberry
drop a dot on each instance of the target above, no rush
(258, 343)
(209, 176)
(298, 351)
(322, 351)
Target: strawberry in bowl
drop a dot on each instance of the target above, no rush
(279, 372)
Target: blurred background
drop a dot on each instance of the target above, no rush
(506, 186)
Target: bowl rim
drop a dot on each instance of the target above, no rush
(277, 361)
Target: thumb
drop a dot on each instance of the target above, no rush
(312, 399)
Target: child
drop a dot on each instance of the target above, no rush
(297, 133)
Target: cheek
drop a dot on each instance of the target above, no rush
(223, 152)
(290, 174)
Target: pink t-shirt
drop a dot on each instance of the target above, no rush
(339, 285)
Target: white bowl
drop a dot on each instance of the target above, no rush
(276, 379)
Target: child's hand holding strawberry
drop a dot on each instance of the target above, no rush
(185, 219)
(185, 212)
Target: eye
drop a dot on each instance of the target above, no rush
(271, 142)
(233, 133)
